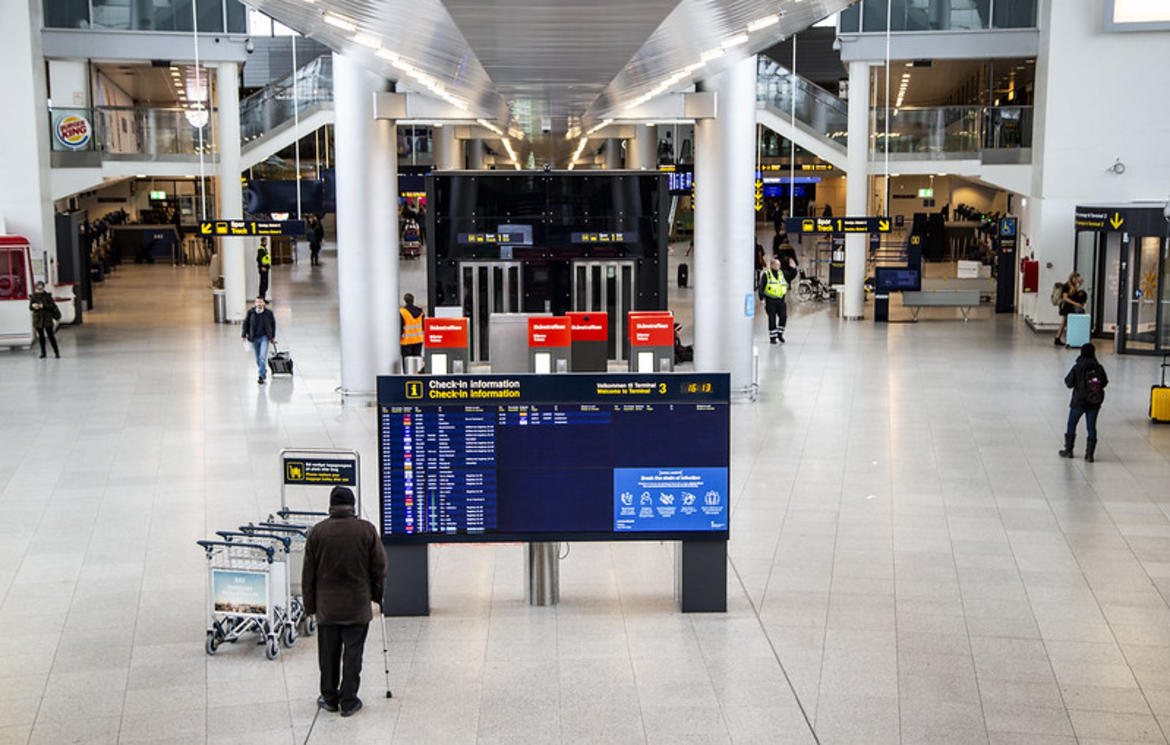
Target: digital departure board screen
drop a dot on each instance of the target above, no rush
(554, 457)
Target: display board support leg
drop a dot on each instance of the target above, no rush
(701, 576)
(407, 590)
(543, 573)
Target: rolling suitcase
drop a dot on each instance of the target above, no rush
(682, 275)
(1160, 396)
(1076, 334)
(280, 363)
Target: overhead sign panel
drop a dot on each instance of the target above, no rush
(250, 228)
(837, 224)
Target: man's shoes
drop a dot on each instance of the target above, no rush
(323, 704)
(352, 710)
(1057, 341)
(773, 340)
(260, 381)
(57, 355)
(42, 355)
(781, 338)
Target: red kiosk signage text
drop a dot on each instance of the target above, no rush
(445, 333)
(592, 326)
(652, 329)
(544, 331)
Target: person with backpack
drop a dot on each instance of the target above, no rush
(1087, 379)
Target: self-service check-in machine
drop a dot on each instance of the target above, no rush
(651, 336)
(445, 345)
(589, 335)
(549, 344)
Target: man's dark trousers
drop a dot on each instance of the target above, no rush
(336, 644)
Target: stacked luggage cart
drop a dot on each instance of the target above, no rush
(254, 571)
(255, 574)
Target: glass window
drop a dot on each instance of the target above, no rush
(1015, 14)
(13, 274)
(67, 14)
(850, 19)
(237, 17)
(1164, 317)
(926, 15)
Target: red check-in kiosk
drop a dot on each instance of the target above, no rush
(549, 344)
(651, 335)
(445, 345)
(589, 334)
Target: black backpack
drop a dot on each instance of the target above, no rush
(1094, 386)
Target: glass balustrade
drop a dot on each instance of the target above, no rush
(130, 131)
(817, 109)
(869, 16)
(271, 107)
(147, 15)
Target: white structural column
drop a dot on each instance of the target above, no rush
(856, 188)
(448, 156)
(725, 227)
(367, 234)
(26, 206)
(476, 151)
(613, 154)
(642, 150)
(231, 191)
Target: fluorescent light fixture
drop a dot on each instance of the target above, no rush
(488, 125)
(942, 174)
(339, 22)
(403, 65)
(711, 54)
(367, 40)
(387, 55)
(764, 22)
(734, 41)
(599, 125)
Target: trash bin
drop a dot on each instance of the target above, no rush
(219, 305)
(412, 365)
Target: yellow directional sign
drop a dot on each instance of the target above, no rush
(1117, 220)
(838, 225)
(252, 227)
(205, 228)
(759, 195)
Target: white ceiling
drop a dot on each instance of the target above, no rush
(524, 62)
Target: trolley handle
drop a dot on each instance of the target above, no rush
(1165, 364)
(286, 513)
(228, 535)
(209, 545)
(280, 528)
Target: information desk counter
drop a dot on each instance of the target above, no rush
(544, 458)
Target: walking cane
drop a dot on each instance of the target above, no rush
(385, 652)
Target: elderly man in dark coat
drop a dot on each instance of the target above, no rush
(345, 570)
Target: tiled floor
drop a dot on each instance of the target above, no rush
(910, 561)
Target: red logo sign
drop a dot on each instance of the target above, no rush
(544, 331)
(592, 326)
(445, 333)
(651, 329)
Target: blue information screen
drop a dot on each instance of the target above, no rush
(553, 457)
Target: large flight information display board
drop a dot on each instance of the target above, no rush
(554, 457)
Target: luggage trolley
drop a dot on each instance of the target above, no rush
(294, 537)
(287, 611)
(246, 583)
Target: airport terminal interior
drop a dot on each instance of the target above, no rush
(883, 544)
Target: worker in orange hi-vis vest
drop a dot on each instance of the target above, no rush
(412, 327)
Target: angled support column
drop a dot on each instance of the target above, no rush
(231, 191)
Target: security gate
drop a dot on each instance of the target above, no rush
(606, 285)
(487, 287)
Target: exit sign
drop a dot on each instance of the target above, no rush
(158, 195)
(926, 193)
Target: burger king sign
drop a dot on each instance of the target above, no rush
(73, 131)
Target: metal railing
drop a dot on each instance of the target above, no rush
(935, 132)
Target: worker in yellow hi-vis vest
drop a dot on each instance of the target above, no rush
(773, 287)
(412, 327)
(263, 265)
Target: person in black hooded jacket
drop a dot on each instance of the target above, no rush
(1087, 379)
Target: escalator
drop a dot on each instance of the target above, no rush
(269, 118)
(821, 120)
